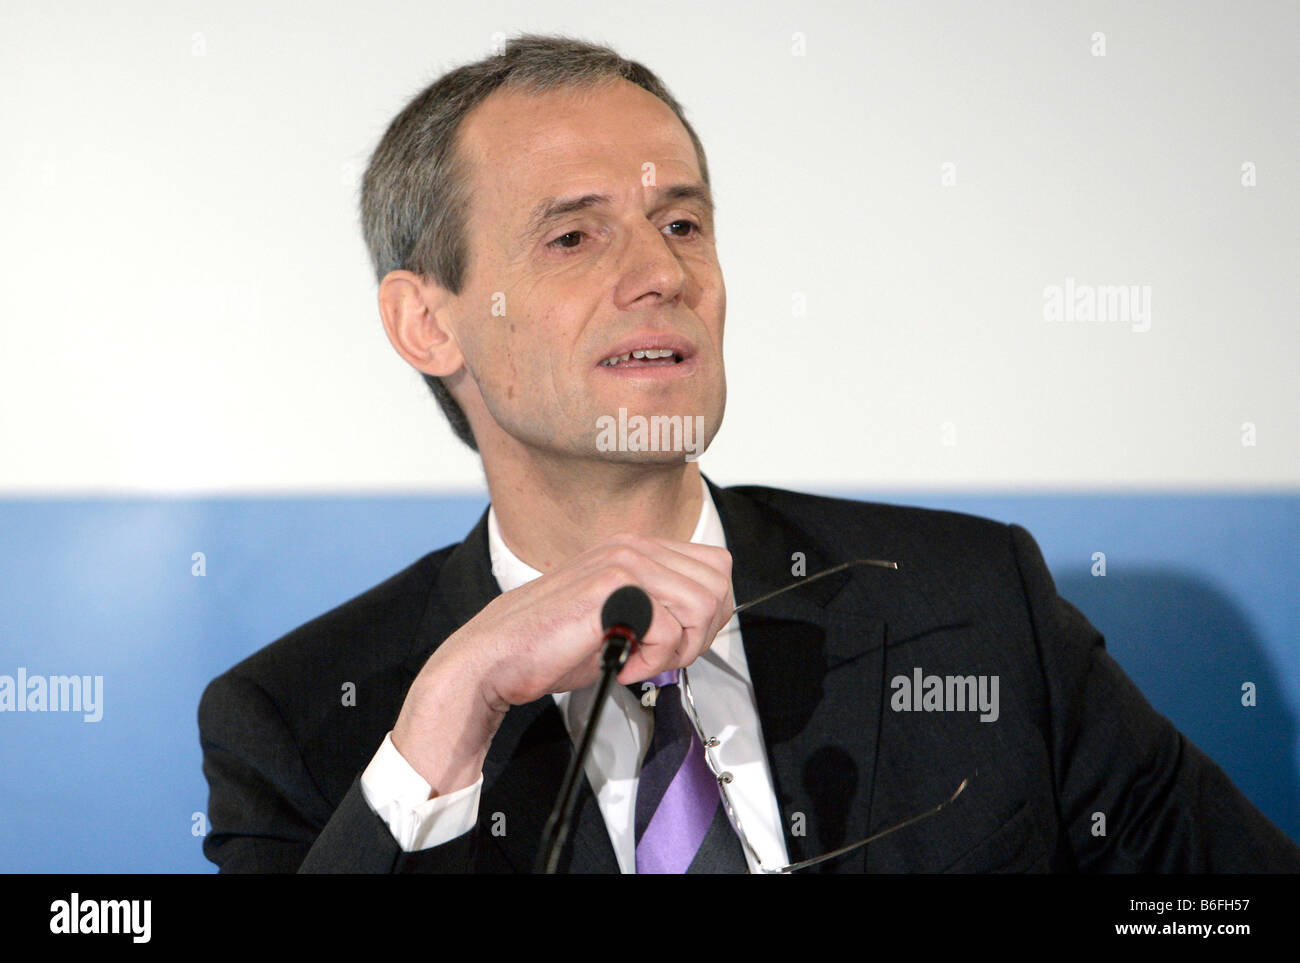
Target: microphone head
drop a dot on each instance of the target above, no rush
(629, 607)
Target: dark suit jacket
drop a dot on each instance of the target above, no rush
(1074, 737)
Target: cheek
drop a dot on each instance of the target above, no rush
(514, 373)
(523, 367)
(712, 305)
(708, 279)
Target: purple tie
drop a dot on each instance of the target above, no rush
(681, 826)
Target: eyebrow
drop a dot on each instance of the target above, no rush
(551, 209)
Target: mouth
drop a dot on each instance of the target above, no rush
(644, 358)
(649, 349)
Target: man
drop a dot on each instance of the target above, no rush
(543, 234)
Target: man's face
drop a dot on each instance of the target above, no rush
(632, 265)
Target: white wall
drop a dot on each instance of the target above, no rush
(186, 302)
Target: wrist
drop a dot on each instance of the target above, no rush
(446, 725)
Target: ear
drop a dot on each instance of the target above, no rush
(415, 314)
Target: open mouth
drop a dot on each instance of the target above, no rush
(644, 358)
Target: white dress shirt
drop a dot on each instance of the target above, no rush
(724, 700)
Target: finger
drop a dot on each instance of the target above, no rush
(705, 564)
(692, 609)
(656, 650)
(684, 553)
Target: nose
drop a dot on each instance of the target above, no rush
(649, 268)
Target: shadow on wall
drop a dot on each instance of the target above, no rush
(1190, 649)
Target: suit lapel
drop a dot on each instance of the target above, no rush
(816, 662)
(521, 782)
(530, 752)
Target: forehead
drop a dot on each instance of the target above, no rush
(524, 145)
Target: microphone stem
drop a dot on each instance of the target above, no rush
(617, 647)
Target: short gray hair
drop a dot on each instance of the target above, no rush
(415, 192)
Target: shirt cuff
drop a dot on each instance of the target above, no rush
(400, 797)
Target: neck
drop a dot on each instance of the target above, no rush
(550, 511)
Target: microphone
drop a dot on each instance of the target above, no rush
(625, 619)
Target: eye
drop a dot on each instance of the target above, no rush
(688, 223)
(563, 240)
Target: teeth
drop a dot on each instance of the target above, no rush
(644, 354)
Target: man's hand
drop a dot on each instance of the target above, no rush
(545, 637)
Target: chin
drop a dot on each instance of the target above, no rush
(650, 438)
(660, 459)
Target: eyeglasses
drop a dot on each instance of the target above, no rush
(723, 777)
